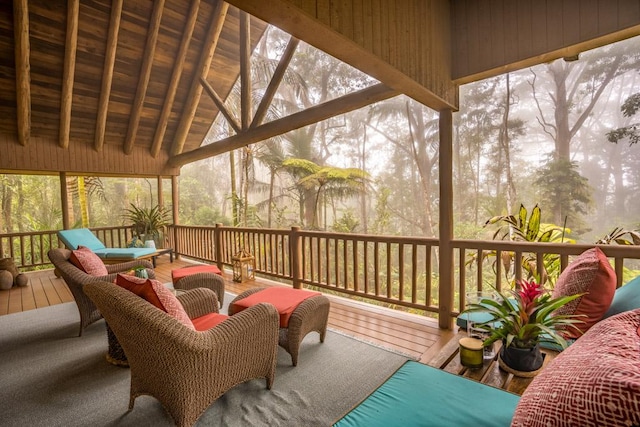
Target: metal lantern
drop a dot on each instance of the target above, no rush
(244, 265)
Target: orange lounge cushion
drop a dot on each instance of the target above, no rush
(86, 260)
(285, 300)
(208, 321)
(179, 273)
(157, 294)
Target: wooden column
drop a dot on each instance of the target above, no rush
(295, 242)
(217, 235)
(174, 208)
(23, 69)
(64, 200)
(446, 284)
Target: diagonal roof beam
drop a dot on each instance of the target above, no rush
(66, 98)
(145, 74)
(218, 17)
(311, 115)
(23, 69)
(175, 78)
(245, 70)
(277, 77)
(220, 104)
(107, 75)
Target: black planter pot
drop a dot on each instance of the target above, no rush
(522, 359)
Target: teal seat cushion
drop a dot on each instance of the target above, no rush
(124, 253)
(625, 298)
(80, 237)
(419, 395)
(479, 317)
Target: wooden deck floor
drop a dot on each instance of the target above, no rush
(417, 336)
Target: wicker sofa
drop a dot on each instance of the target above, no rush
(184, 369)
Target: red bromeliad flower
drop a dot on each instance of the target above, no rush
(528, 294)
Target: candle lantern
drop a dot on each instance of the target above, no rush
(244, 265)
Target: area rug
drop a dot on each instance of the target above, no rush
(51, 377)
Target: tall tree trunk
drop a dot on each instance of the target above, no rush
(505, 142)
(363, 194)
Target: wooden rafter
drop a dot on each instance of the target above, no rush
(23, 70)
(66, 98)
(220, 104)
(175, 78)
(107, 73)
(245, 70)
(145, 74)
(278, 74)
(218, 17)
(314, 114)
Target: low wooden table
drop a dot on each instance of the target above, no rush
(161, 252)
(449, 360)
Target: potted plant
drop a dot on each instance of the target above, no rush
(148, 223)
(523, 322)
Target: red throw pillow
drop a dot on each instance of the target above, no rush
(594, 382)
(86, 260)
(157, 294)
(592, 275)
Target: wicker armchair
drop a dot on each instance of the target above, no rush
(184, 369)
(211, 281)
(76, 278)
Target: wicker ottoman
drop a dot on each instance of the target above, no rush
(301, 312)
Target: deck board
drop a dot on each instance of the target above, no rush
(411, 334)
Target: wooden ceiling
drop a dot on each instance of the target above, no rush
(131, 87)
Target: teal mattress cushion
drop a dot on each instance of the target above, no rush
(80, 237)
(625, 298)
(124, 252)
(419, 395)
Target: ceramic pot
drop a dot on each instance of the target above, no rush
(522, 359)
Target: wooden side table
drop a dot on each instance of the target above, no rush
(449, 360)
(159, 252)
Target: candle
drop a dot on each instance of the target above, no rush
(471, 352)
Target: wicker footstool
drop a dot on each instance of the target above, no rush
(301, 312)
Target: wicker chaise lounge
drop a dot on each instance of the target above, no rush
(184, 369)
(76, 278)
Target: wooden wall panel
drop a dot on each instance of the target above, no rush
(495, 36)
(405, 44)
(45, 155)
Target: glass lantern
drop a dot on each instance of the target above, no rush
(244, 265)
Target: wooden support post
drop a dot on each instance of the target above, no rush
(217, 237)
(445, 303)
(174, 207)
(64, 200)
(66, 98)
(23, 69)
(295, 241)
(246, 109)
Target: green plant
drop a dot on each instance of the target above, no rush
(147, 221)
(527, 318)
(617, 235)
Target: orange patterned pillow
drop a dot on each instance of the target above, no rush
(157, 294)
(591, 274)
(86, 260)
(594, 382)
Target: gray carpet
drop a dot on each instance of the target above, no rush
(51, 377)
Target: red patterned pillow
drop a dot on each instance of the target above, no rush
(86, 260)
(592, 275)
(595, 382)
(157, 294)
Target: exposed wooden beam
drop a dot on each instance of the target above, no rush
(71, 44)
(220, 104)
(178, 66)
(246, 108)
(218, 17)
(23, 69)
(317, 113)
(145, 74)
(445, 299)
(278, 74)
(107, 73)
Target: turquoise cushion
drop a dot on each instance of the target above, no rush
(478, 317)
(626, 297)
(419, 395)
(124, 252)
(80, 237)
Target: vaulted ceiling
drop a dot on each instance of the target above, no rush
(131, 87)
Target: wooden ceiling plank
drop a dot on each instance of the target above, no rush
(218, 17)
(23, 69)
(220, 104)
(163, 121)
(311, 115)
(246, 108)
(71, 45)
(107, 74)
(277, 77)
(145, 74)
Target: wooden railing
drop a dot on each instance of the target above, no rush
(401, 272)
